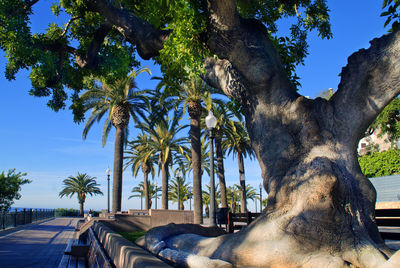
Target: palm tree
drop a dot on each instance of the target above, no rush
(237, 141)
(193, 93)
(233, 196)
(140, 156)
(139, 191)
(121, 101)
(81, 185)
(206, 197)
(165, 144)
(223, 114)
(251, 192)
(179, 181)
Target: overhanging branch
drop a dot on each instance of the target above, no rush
(369, 82)
(148, 40)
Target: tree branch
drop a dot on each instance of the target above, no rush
(221, 75)
(369, 82)
(91, 60)
(67, 26)
(246, 45)
(30, 3)
(148, 40)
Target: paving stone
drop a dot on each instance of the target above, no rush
(38, 245)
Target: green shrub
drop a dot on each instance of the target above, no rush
(380, 164)
(133, 236)
(64, 212)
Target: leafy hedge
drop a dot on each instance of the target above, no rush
(64, 212)
(380, 164)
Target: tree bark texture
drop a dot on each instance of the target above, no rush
(117, 172)
(146, 191)
(321, 205)
(81, 209)
(195, 135)
(220, 168)
(164, 187)
(320, 208)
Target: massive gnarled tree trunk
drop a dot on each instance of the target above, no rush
(321, 208)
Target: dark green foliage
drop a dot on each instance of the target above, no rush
(65, 212)
(52, 55)
(10, 185)
(61, 58)
(380, 164)
(392, 13)
(388, 121)
(132, 236)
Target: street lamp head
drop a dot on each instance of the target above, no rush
(211, 120)
(155, 184)
(108, 171)
(178, 174)
(260, 186)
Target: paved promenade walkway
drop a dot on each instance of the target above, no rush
(37, 245)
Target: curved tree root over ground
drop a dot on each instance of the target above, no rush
(263, 244)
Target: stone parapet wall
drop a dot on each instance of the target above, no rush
(122, 252)
(382, 205)
(163, 217)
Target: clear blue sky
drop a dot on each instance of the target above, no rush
(49, 146)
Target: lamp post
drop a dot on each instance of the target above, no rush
(190, 198)
(211, 122)
(260, 186)
(108, 172)
(141, 198)
(155, 184)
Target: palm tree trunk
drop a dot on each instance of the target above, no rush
(117, 174)
(243, 207)
(164, 197)
(196, 167)
(146, 191)
(220, 168)
(81, 211)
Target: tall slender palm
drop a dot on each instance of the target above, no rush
(120, 100)
(81, 185)
(193, 93)
(141, 157)
(237, 142)
(233, 196)
(206, 197)
(251, 192)
(139, 191)
(165, 144)
(184, 193)
(223, 114)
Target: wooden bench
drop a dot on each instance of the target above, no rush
(85, 252)
(74, 254)
(237, 221)
(388, 221)
(97, 256)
